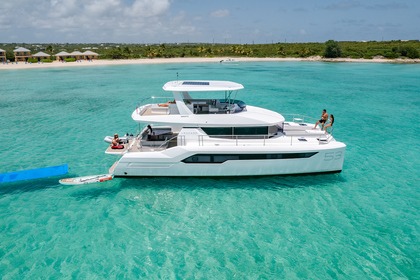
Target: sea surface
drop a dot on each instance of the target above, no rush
(362, 223)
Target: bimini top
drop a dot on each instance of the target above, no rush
(201, 86)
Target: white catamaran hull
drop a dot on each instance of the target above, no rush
(167, 163)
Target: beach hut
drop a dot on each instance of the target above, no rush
(61, 56)
(41, 55)
(3, 56)
(77, 55)
(22, 54)
(89, 55)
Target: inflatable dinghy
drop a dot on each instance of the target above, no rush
(123, 140)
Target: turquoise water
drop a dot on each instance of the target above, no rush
(360, 224)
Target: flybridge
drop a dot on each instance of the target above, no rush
(196, 85)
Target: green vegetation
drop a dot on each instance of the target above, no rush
(33, 60)
(367, 50)
(332, 49)
(70, 59)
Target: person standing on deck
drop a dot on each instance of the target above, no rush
(323, 119)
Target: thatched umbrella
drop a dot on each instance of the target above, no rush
(41, 55)
(90, 55)
(76, 54)
(62, 55)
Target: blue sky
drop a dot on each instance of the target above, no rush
(229, 21)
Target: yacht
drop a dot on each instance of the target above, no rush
(205, 131)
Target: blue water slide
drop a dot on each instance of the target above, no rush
(34, 173)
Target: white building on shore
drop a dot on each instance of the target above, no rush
(22, 54)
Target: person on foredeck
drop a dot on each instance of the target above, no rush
(322, 120)
(330, 124)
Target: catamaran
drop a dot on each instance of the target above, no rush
(205, 131)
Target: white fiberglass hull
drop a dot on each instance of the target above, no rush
(169, 163)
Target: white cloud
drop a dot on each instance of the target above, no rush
(103, 8)
(152, 21)
(148, 8)
(94, 18)
(220, 13)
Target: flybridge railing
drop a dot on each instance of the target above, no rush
(149, 100)
(239, 139)
(259, 140)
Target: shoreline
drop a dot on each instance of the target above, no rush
(106, 62)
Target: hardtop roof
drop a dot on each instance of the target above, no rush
(201, 85)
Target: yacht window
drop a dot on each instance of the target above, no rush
(221, 158)
(217, 130)
(251, 130)
(273, 129)
(241, 104)
(258, 130)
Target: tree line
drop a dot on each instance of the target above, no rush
(329, 49)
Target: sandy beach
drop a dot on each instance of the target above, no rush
(23, 65)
